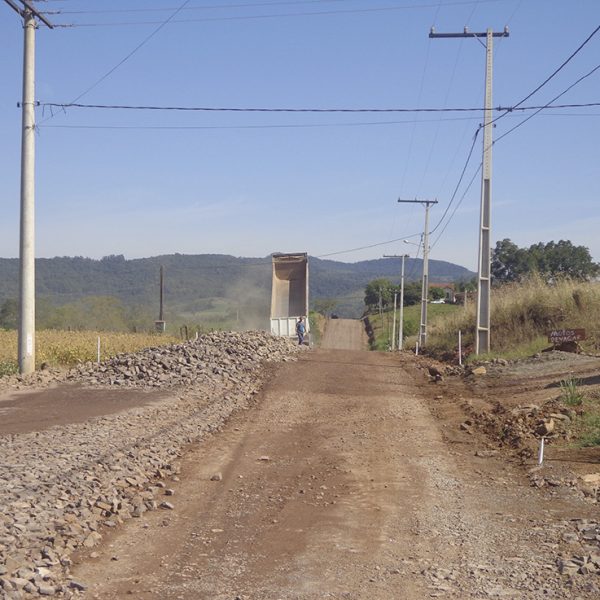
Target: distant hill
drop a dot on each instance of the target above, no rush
(195, 284)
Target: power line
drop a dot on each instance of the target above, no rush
(457, 205)
(464, 169)
(262, 126)
(64, 106)
(517, 106)
(369, 246)
(551, 76)
(129, 55)
(275, 15)
(287, 125)
(221, 7)
(588, 74)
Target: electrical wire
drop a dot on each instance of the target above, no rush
(588, 74)
(405, 237)
(551, 76)
(287, 125)
(457, 205)
(130, 54)
(517, 106)
(271, 16)
(215, 7)
(64, 106)
(462, 174)
(447, 95)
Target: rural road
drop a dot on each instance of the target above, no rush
(338, 483)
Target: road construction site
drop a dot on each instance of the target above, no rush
(242, 466)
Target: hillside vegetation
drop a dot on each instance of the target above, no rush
(207, 290)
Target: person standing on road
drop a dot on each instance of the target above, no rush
(300, 330)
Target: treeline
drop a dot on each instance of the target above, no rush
(550, 261)
(97, 313)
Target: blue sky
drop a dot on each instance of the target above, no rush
(248, 184)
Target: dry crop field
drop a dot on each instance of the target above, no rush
(68, 348)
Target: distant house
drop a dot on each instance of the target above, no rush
(448, 289)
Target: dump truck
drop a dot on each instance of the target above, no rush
(289, 293)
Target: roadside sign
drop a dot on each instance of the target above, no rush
(559, 336)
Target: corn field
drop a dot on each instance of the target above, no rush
(68, 348)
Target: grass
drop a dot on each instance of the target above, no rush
(590, 430)
(522, 315)
(382, 327)
(8, 367)
(570, 392)
(68, 348)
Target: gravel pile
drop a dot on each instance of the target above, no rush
(219, 354)
(62, 488)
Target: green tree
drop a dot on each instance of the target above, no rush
(509, 262)
(325, 306)
(412, 293)
(375, 288)
(466, 285)
(436, 293)
(550, 260)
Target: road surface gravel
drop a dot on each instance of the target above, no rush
(340, 483)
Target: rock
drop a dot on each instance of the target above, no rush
(167, 505)
(545, 427)
(46, 590)
(568, 567)
(486, 453)
(77, 585)
(216, 477)
(92, 539)
(478, 371)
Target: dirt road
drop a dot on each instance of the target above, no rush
(344, 334)
(340, 483)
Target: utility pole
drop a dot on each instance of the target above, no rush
(401, 319)
(425, 283)
(394, 322)
(27, 232)
(160, 324)
(482, 338)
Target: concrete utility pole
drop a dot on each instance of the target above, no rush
(401, 319)
(27, 235)
(482, 338)
(425, 283)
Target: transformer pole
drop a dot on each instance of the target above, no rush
(425, 281)
(26, 347)
(482, 336)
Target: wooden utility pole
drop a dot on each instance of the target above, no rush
(160, 325)
(26, 350)
(482, 337)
